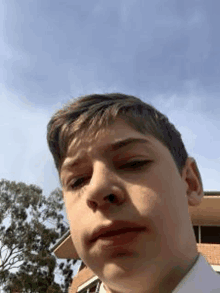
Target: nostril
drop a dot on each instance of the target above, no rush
(111, 197)
(116, 199)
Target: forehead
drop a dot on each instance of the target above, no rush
(118, 136)
(110, 138)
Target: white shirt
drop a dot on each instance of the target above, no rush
(201, 278)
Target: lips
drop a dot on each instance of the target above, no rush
(113, 229)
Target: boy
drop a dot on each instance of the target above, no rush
(127, 183)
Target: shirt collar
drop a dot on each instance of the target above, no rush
(201, 278)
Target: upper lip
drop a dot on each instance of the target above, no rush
(114, 228)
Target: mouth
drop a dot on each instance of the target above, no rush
(118, 238)
(111, 234)
(114, 229)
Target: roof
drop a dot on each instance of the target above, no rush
(60, 240)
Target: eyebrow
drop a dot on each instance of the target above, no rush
(124, 142)
(111, 147)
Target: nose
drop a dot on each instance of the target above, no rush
(105, 188)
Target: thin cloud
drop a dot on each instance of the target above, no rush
(24, 153)
(200, 133)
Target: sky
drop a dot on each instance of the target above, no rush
(165, 52)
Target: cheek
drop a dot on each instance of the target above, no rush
(145, 200)
(69, 208)
(73, 215)
(160, 202)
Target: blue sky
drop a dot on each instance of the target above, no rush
(165, 52)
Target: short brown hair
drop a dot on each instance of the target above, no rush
(85, 116)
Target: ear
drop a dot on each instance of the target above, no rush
(193, 181)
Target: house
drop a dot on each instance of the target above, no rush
(206, 224)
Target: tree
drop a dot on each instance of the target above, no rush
(30, 224)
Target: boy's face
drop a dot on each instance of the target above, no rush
(151, 194)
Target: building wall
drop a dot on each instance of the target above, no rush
(84, 275)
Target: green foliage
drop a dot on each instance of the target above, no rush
(30, 224)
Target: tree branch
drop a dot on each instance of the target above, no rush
(10, 254)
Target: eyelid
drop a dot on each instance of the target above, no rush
(71, 179)
(122, 164)
(74, 180)
(133, 159)
(76, 174)
(139, 162)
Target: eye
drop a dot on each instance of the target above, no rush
(77, 183)
(137, 164)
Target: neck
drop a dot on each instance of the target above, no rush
(174, 277)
